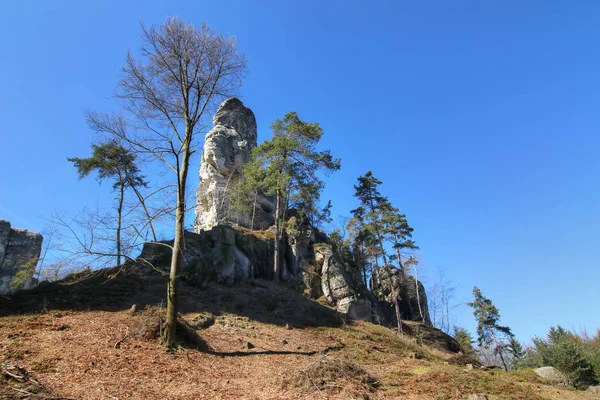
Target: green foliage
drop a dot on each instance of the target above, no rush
(112, 161)
(572, 355)
(515, 349)
(288, 167)
(376, 222)
(490, 333)
(289, 163)
(24, 274)
(369, 215)
(487, 317)
(465, 339)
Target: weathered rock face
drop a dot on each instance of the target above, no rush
(227, 147)
(17, 248)
(338, 286)
(411, 294)
(221, 254)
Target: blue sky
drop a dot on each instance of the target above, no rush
(480, 118)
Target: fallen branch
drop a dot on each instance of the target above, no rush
(23, 391)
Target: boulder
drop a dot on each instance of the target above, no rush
(18, 247)
(227, 147)
(413, 306)
(433, 337)
(338, 286)
(552, 376)
(594, 389)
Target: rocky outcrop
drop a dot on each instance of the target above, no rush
(18, 248)
(221, 254)
(338, 286)
(227, 147)
(216, 252)
(433, 337)
(413, 306)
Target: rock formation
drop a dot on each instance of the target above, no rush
(17, 248)
(221, 254)
(227, 147)
(413, 306)
(338, 286)
(217, 252)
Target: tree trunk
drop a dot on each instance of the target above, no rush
(178, 243)
(499, 350)
(418, 296)
(394, 295)
(398, 254)
(253, 210)
(119, 219)
(276, 263)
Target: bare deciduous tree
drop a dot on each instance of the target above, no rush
(186, 71)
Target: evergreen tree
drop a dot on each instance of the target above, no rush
(112, 161)
(465, 339)
(370, 211)
(287, 166)
(515, 349)
(489, 332)
(564, 351)
(398, 232)
(371, 214)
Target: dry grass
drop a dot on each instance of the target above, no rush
(331, 375)
(265, 342)
(268, 234)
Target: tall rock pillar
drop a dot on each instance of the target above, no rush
(227, 147)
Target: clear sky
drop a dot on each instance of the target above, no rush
(480, 117)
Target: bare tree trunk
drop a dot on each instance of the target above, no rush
(394, 295)
(398, 255)
(499, 349)
(277, 266)
(418, 295)
(253, 210)
(119, 220)
(393, 292)
(178, 243)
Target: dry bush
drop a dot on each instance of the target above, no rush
(147, 324)
(332, 375)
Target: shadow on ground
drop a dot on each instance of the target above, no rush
(116, 289)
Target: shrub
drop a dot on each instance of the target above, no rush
(566, 352)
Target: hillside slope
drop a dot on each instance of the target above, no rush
(256, 340)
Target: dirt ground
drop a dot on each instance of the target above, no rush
(260, 342)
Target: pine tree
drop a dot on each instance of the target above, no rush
(112, 161)
(465, 339)
(287, 166)
(398, 232)
(371, 213)
(489, 332)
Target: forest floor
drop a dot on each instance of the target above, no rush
(253, 341)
